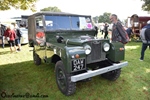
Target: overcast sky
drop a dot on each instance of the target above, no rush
(123, 8)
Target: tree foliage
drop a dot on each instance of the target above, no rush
(146, 5)
(95, 19)
(18, 4)
(104, 18)
(52, 9)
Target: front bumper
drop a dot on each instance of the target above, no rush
(91, 73)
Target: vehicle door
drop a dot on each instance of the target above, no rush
(40, 36)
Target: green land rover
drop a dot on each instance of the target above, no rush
(68, 41)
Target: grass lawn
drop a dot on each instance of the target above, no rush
(19, 76)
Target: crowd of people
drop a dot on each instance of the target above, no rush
(12, 34)
(123, 34)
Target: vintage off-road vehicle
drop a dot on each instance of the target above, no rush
(68, 41)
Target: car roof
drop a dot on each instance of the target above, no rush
(57, 13)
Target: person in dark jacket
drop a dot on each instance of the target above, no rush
(96, 30)
(118, 31)
(106, 30)
(145, 37)
(12, 35)
(129, 31)
(102, 29)
(2, 30)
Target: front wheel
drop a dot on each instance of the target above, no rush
(112, 75)
(63, 80)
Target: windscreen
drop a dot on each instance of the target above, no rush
(68, 23)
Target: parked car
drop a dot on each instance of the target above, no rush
(24, 34)
(68, 41)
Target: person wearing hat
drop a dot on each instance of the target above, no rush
(145, 37)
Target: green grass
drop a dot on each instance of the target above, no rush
(19, 75)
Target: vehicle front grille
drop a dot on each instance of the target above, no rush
(96, 54)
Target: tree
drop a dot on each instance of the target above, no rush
(52, 9)
(104, 18)
(146, 5)
(18, 4)
(95, 19)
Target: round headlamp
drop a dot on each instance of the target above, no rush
(87, 49)
(106, 47)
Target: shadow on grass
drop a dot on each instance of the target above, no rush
(4, 52)
(25, 77)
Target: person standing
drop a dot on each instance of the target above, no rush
(145, 37)
(10, 35)
(2, 30)
(18, 36)
(1, 35)
(106, 30)
(102, 29)
(96, 31)
(118, 31)
(129, 31)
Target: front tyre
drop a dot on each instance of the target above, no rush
(112, 75)
(63, 80)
